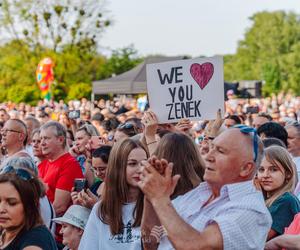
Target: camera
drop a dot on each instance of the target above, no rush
(80, 184)
(74, 114)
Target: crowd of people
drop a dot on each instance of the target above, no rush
(107, 175)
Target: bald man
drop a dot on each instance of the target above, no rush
(224, 212)
(14, 136)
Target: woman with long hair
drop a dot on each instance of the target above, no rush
(277, 178)
(46, 209)
(21, 224)
(115, 221)
(181, 150)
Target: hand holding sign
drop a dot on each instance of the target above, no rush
(186, 89)
(184, 125)
(150, 123)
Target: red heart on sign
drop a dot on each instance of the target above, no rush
(202, 73)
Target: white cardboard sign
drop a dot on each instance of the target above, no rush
(192, 89)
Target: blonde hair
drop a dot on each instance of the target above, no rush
(278, 155)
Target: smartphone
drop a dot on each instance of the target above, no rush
(74, 114)
(80, 184)
(97, 141)
(252, 110)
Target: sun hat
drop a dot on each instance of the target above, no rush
(76, 215)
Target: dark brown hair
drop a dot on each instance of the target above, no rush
(116, 188)
(188, 163)
(30, 193)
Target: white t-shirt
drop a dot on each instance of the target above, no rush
(97, 235)
(47, 214)
(297, 162)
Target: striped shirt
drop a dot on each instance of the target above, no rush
(239, 211)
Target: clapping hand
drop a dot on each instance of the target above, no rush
(154, 185)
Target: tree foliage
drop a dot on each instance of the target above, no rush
(269, 51)
(53, 23)
(65, 30)
(122, 60)
(75, 69)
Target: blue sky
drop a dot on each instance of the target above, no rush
(184, 27)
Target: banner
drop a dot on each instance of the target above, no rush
(192, 89)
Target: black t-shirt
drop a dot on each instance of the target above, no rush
(95, 186)
(39, 236)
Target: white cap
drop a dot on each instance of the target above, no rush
(75, 215)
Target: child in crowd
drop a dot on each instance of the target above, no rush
(115, 221)
(277, 177)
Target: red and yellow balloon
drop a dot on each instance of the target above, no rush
(45, 76)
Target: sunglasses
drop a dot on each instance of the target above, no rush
(110, 137)
(248, 130)
(21, 173)
(126, 125)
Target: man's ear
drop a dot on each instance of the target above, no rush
(22, 137)
(61, 139)
(247, 169)
(80, 231)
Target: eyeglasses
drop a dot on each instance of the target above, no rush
(99, 169)
(247, 130)
(4, 131)
(21, 173)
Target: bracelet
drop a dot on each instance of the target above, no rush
(151, 142)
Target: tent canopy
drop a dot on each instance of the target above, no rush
(130, 82)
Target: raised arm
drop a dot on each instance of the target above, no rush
(150, 127)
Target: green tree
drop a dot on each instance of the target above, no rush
(69, 33)
(54, 23)
(80, 90)
(121, 61)
(75, 68)
(268, 52)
